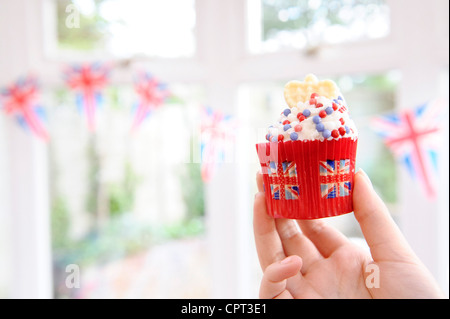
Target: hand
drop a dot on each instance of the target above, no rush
(310, 259)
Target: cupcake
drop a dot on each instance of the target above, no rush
(308, 161)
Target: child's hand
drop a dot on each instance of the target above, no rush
(317, 261)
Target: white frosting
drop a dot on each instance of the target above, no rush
(338, 120)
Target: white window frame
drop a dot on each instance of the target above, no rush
(221, 65)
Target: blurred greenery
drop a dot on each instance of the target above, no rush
(121, 195)
(91, 34)
(384, 177)
(92, 201)
(279, 15)
(60, 222)
(381, 165)
(122, 236)
(193, 190)
(377, 82)
(114, 100)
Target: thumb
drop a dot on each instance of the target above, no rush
(384, 238)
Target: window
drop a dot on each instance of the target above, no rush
(114, 211)
(306, 24)
(123, 199)
(126, 29)
(127, 200)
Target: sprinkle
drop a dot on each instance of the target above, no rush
(268, 137)
(322, 114)
(286, 112)
(312, 102)
(301, 117)
(334, 133)
(314, 95)
(286, 122)
(320, 127)
(280, 137)
(306, 112)
(316, 119)
(298, 128)
(340, 98)
(294, 136)
(287, 127)
(342, 131)
(335, 106)
(274, 139)
(319, 105)
(326, 133)
(329, 110)
(347, 130)
(343, 109)
(342, 121)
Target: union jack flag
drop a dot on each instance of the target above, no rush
(335, 178)
(152, 94)
(216, 140)
(412, 136)
(20, 100)
(283, 180)
(88, 80)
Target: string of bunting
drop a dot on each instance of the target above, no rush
(410, 134)
(89, 80)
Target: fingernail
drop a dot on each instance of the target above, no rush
(286, 260)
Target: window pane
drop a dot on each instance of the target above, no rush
(127, 207)
(304, 24)
(125, 28)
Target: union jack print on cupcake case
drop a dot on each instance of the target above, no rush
(335, 178)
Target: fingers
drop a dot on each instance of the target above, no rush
(277, 238)
(326, 239)
(274, 281)
(385, 240)
(296, 243)
(267, 241)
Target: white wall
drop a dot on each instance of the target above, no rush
(5, 217)
(25, 162)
